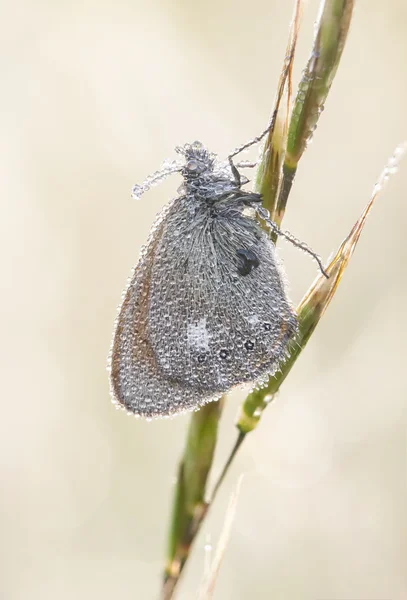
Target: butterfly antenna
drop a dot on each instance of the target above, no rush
(265, 215)
(242, 147)
(247, 164)
(168, 168)
(252, 142)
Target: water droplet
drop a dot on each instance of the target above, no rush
(137, 191)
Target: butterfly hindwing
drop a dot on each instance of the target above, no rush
(215, 321)
(137, 382)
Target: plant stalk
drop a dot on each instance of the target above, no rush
(285, 143)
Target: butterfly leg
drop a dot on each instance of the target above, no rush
(235, 173)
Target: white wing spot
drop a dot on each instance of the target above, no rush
(253, 319)
(198, 335)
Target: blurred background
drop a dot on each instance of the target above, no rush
(95, 95)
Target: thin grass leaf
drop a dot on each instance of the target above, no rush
(269, 173)
(208, 587)
(313, 306)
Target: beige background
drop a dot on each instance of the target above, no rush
(94, 96)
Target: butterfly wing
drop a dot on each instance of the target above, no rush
(211, 327)
(137, 381)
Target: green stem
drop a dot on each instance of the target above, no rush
(331, 32)
(189, 499)
(239, 440)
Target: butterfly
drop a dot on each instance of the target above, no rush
(206, 307)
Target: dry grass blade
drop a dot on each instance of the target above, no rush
(208, 587)
(269, 173)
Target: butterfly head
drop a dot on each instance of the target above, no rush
(198, 161)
